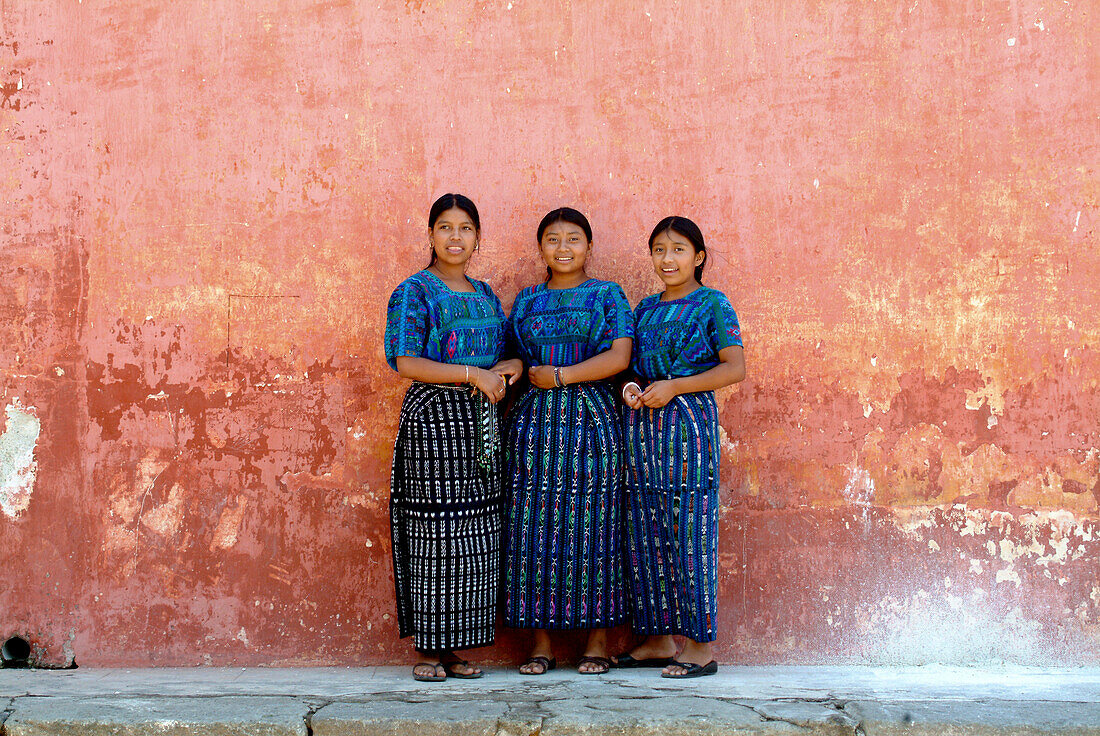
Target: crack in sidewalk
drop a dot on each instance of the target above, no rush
(6, 714)
(840, 717)
(308, 717)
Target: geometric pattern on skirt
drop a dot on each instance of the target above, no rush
(672, 516)
(563, 562)
(446, 520)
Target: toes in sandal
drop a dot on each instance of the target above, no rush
(452, 672)
(692, 670)
(436, 675)
(602, 662)
(547, 664)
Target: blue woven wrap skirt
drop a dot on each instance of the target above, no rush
(563, 565)
(671, 506)
(446, 518)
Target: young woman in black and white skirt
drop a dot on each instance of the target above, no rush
(445, 332)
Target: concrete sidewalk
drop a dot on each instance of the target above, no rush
(386, 700)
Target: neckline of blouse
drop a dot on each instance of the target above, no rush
(685, 297)
(546, 285)
(448, 288)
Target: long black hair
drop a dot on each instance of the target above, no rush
(563, 214)
(688, 229)
(447, 202)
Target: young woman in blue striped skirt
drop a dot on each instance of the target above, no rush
(563, 565)
(445, 331)
(687, 343)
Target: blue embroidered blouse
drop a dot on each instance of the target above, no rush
(426, 319)
(561, 327)
(682, 337)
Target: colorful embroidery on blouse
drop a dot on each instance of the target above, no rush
(426, 319)
(682, 337)
(563, 327)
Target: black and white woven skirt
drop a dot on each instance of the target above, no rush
(446, 516)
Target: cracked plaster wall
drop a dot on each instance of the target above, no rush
(206, 206)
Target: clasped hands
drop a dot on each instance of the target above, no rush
(655, 395)
(493, 382)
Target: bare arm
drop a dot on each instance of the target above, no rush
(730, 370)
(490, 383)
(606, 364)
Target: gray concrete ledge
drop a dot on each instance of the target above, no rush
(386, 701)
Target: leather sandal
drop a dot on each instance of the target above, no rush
(434, 677)
(602, 662)
(450, 666)
(692, 670)
(547, 664)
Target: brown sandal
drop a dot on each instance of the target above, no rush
(547, 664)
(434, 677)
(603, 662)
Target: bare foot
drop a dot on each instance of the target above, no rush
(461, 668)
(595, 661)
(537, 664)
(429, 671)
(540, 651)
(655, 647)
(694, 653)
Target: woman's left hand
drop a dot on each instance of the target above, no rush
(542, 376)
(659, 393)
(490, 383)
(510, 369)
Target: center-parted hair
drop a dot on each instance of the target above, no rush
(688, 229)
(448, 202)
(563, 214)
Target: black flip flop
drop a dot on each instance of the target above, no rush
(435, 677)
(626, 662)
(548, 663)
(692, 670)
(601, 661)
(452, 672)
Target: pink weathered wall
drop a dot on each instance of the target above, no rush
(205, 206)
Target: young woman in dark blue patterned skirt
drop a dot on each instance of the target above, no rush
(445, 331)
(564, 443)
(687, 343)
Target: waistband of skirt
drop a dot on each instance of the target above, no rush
(449, 386)
(579, 384)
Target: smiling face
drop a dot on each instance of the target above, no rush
(454, 237)
(564, 247)
(675, 259)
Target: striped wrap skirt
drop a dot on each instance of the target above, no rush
(446, 518)
(672, 516)
(563, 565)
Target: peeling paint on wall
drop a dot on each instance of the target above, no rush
(18, 467)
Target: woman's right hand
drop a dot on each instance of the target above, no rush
(490, 383)
(632, 395)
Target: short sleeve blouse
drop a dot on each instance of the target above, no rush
(561, 327)
(426, 319)
(682, 337)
